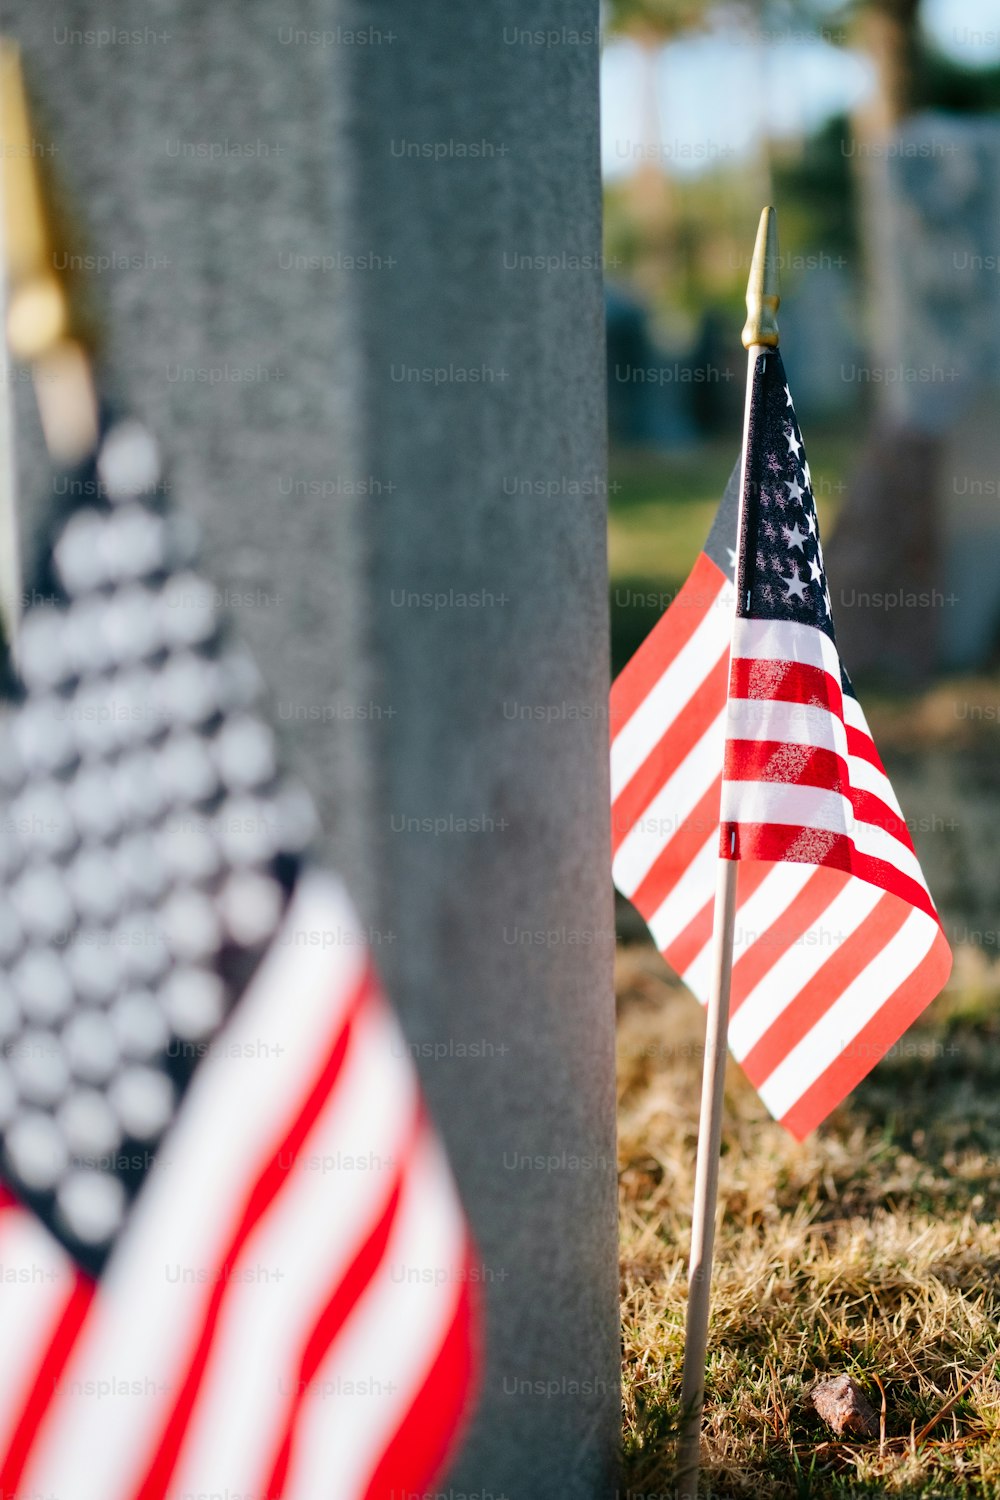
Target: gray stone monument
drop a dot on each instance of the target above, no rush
(935, 379)
(349, 272)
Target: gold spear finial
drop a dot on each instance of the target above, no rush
(43, 328)
(38, 310)
(763, 297)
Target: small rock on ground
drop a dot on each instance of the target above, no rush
(844, 1407)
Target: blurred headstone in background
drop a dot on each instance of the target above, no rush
(305, 218)
(820, 322)
(649, 394)
(934, 378)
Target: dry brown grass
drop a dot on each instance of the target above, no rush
(873, 1248)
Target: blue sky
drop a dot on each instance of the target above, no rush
(717, 92)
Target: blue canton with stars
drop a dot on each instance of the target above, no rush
(783, 576)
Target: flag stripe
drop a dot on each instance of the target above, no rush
(39, 1279)
(339, 1183)
(872, 1041)
(637, 853)
(418, 1446)
(677, 853)
(428, 1236)
(816, 845)
(794, 763)
(699, 595)
(754, 883)
(843, 967)
(835, 1031)
(686, 898)
(785, 641)
(770, 680)
(641, 740)
(761, 951)
(52, 1364)
(272, 1179)
(849, 903)
(692, 725)
(332, 1318)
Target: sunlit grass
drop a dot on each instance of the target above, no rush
(873, 1249)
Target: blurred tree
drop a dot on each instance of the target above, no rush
(685, 242)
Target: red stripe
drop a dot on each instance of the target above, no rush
(785, 682)
(48, 1373)
(881, 873)
(685, 948)
(815, 998)
(868, 808)
(872, 1041)
(675, 857)
(818, 846)
(331, 1320)
(272, 1178)
(789, 926)
(787, 763)
(687, 727)
(7, 1199)
(863, 746)
(807, 765)
(432, 1426)
(666, 640)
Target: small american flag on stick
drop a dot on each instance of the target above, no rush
(217, 1176)
(837, 944)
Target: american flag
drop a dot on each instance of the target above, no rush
(838, 946)
(232, 1259)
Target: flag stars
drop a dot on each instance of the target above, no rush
(811, 521)
(794, 446)
(788, 396)
(795, 538)
(795, 490)
(795, 585)
(815, 571)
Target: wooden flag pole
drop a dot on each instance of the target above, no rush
(759, 333)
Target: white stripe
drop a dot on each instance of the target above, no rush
(763, 906)
(834, 1032)
(241, 1099)
(812, 807)
(864, 775)
(661, 820)
(695, 887)
(399, 1325)
(667, 699)
(879, 843)
(793, 969)
(868, 778)
(786, 803)
(289, 1266)
(36, 1280)
(786, 640)
(792, 723)
(854, 716)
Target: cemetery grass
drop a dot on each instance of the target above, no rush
(871, 1249)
